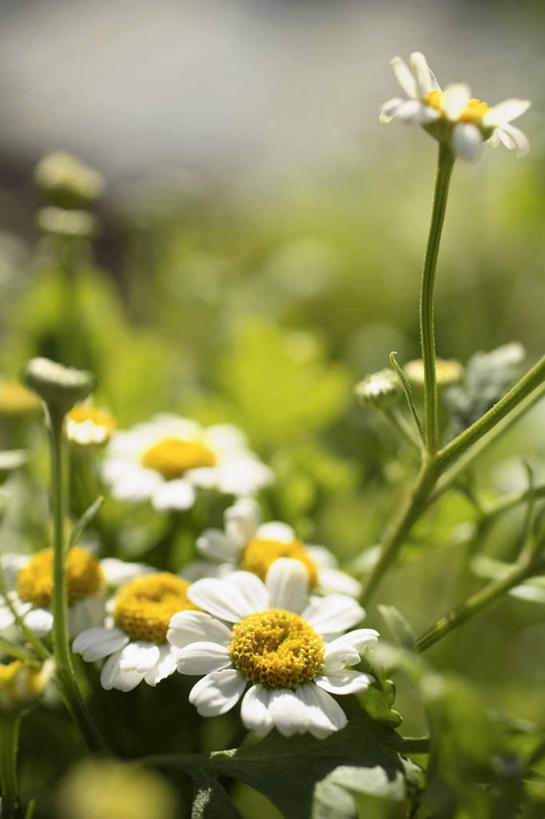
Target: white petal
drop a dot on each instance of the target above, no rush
(233, 597)
(323, 558)
(243, 476)
(404, 76)
(241, 521)
(205, 477)
(275, 530)
(344, 682)
(388, 110)
(6, 617)
(96, 643)
(333, 614)
(118, 572)
(288, 712)
(86, 613)
(112, 676)
(225, 437)
(177, 494)
(335, 581)
(455, 99)
(325, 715)
(414, 111)
(136, 485)
(254, 710)
(139, 655)
(514, 139)
(425, 80)
(215, 545)
(199, 569)
(467, 141)
(346, 650)
(218, 692)
(202, 658)
(506, 111)
(164, 667)
(193, 626)
(287, 584)
(39, 621)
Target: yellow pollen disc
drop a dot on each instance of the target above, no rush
(172, 457)
(144, 606)
(8, 672)
(84, 577)
(260, 554)
(90, 416)
(473, 112)
(277, 649)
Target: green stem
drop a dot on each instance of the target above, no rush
(484, 597)
(509, 502)
(65, 669)
(445, 165)
(9, 743)
(400, 425)
(396, 536)
(415, 745)
(17, 652)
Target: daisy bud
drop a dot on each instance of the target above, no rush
(446, 372)
(67, 182)
(58, 386)
(98, 788)
(378, 390)
(66, 223)
(22, 685)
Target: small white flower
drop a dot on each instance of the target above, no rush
(133, 636)
(87, 426)
(453, 115)
(167, 459)
(30, 582)
(292, 653)
(247, 543)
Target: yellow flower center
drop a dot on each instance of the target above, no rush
(473, 112)
(15, 399)
(144, 606)
(173, 456)
(277, 649)
(90, 417)
(84, 577)
(20, 684)
(260, 554)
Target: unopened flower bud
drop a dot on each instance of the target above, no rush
(58, 386)
(379, 390)
(66, 223)
(446, 372)
(98, 788)
(22, 684)
(67, 182)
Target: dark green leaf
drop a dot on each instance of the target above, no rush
(210, 800)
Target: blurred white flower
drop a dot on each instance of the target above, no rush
(247, 543)
(87, 426)
(453, 115)
(29, 580)
(167, 459)
(291, 651)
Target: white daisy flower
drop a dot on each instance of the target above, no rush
(292, 653)
(133, 638)
(167, 459)
(247, 543)
(453, 115)
(87, 426)
(30, 582)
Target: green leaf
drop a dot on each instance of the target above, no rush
(288, 771)
(399, 626)
(84, 521)
(209, 799)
